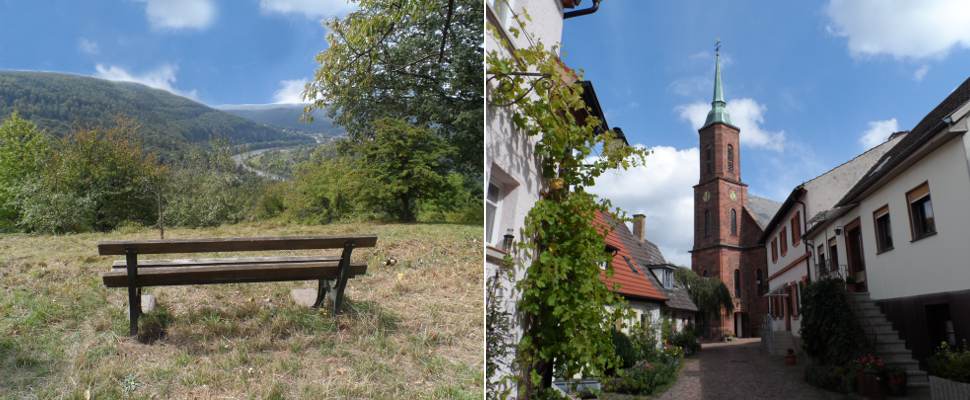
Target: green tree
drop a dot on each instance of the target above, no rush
(24, 150)
(96, 180)
(419, 60)
(406, 163)
(709, 294)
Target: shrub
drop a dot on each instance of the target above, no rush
(830, 332)
(831, 378)
(951, 363)
(687, 340)
(644, 338)
(643, 379)
(624, 349)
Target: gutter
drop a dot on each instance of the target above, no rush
(585, 11)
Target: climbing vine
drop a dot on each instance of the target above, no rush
(567, 312)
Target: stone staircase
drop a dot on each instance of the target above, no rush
(889, 346)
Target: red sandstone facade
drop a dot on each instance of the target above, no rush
(726, 233)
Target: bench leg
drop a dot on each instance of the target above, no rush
(321, 292)
(344, 274)
(134, 292)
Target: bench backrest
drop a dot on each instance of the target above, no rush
(212, 245)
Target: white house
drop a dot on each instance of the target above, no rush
(902, 232)
(788, 254)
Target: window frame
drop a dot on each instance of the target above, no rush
(783, 241)
(833, 251)
(917, 195)
(796, 228)
(884, 237)
(730, 158)
(492, 220)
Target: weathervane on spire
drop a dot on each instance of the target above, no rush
(717, 46)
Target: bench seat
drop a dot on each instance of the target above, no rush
(231, 273)
(182, 262)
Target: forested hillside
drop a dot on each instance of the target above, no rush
(61, 103)
(286, 117)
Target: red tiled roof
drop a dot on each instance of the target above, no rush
(624, 280)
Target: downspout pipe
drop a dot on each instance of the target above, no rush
(585, 11)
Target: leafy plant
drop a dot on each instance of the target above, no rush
(830, 332)
(951, 363)
(624, 349)
(567, 311)
(687, 340)
(708, 293)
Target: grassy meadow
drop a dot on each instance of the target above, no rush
(410, 330)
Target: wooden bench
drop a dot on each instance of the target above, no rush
(332, 272)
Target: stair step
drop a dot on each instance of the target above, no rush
(891, 347)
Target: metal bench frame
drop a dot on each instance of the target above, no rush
(335, 289)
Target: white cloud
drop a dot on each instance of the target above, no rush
(691, 86)
(162, 78)
(290, 91)
(663, 191)
(901, 28)
(180, 14)
(88, 46)
(747, 114)
(920, 72)
(309, 8)
(878, 132)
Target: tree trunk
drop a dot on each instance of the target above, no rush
(407, 214)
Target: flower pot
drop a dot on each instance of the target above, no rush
(896, 383)
(945, 389)
(870, 385)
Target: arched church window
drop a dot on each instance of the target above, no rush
(709, 160)
(737, 283)
(734, 222)
(730, 157)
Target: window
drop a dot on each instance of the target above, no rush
(921, 220)
(821, 258)
(734, 222)
(796, 229)
(709, 160)
(491, 209)
(884, 233)
(833, 255)
(737, 283)
(707, 223)
(783, 238)
(730, 157)
(774, 250)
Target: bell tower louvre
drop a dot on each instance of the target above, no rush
(723, 228)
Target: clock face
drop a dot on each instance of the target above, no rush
(734, 195)
(707, 196)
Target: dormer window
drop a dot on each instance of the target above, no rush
(611, 251)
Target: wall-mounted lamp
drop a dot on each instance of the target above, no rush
(507, 240)
(838, 231)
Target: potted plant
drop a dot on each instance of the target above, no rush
(896, 381)
(949, 372)
(790, 358)
(869, 381)
(850, 283)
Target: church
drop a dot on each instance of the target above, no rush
(728, 224)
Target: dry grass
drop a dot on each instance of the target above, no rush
(414, 330)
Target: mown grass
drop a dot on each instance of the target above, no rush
(412, 330)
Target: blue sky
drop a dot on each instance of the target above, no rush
(810, 84)
(218, 52)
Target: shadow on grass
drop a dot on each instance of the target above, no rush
(264, 328)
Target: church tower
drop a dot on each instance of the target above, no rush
(719, 199)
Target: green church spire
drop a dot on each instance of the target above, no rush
(718, 111)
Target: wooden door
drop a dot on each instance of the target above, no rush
(856, 260)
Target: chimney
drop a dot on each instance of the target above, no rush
(639, 220)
